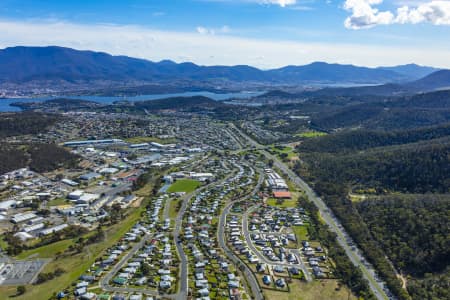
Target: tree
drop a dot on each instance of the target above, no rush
(145, 268)
(21, 290)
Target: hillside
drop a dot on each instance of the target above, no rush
(390, 113)
(437, 80)
(412, 70)
(378, 183)
(13, 124)
(321, 72)
(357, 140)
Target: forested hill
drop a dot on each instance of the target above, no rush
(391, 113)
(356, 140)
(413, 231)
(37, 156)
(383, 186)
(421, 225)
(179, 103)
(416, 168)
(12, 124)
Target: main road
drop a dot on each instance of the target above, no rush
(378, 287)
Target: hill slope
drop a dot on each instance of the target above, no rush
(434, 81)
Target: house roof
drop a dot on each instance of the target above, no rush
(282, 194)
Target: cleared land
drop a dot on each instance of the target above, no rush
(285, 203)
(311, 134)
(301, 232)
(316, 290)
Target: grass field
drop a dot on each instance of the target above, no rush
(47, 251)
(57, 201)
(285, 204)
(316, 290)
(301, 232)
(3, 243)
(173, 212)
(282, 150)
(184, 185)
(149, 139)
(310, 134)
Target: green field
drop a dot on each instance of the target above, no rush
(301, 232)
(57, 201)
(281, 149)
(310, 134)
(47, 251)
(316, 290)
(285, 204)
(184, 185)
(3, 243)
(173, 211)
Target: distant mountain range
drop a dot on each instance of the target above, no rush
(36, 64)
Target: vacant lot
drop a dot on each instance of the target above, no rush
(310, 134)
(284, 203)
(301, 232)
(316, 290)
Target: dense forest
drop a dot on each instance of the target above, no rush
(412, 230)
(414, 168)
(11, 158)
(390, 113)
(355, 140)
(38, 157)
(12, 124)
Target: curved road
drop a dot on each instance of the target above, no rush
(378, 287)
(249, 275)
(262, 257)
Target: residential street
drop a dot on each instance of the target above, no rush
(377, 286)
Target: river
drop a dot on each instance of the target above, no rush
(5, 102)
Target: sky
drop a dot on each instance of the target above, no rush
(262, 33)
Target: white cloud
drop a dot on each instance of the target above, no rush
(282, 3)
(365, 15)
(434, 12)
(213, 31)
(142, 42)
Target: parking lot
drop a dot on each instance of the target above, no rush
(20, 272)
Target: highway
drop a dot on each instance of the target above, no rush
(249, 275)
(378, 287)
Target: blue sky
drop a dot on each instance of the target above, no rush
(263, 33)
